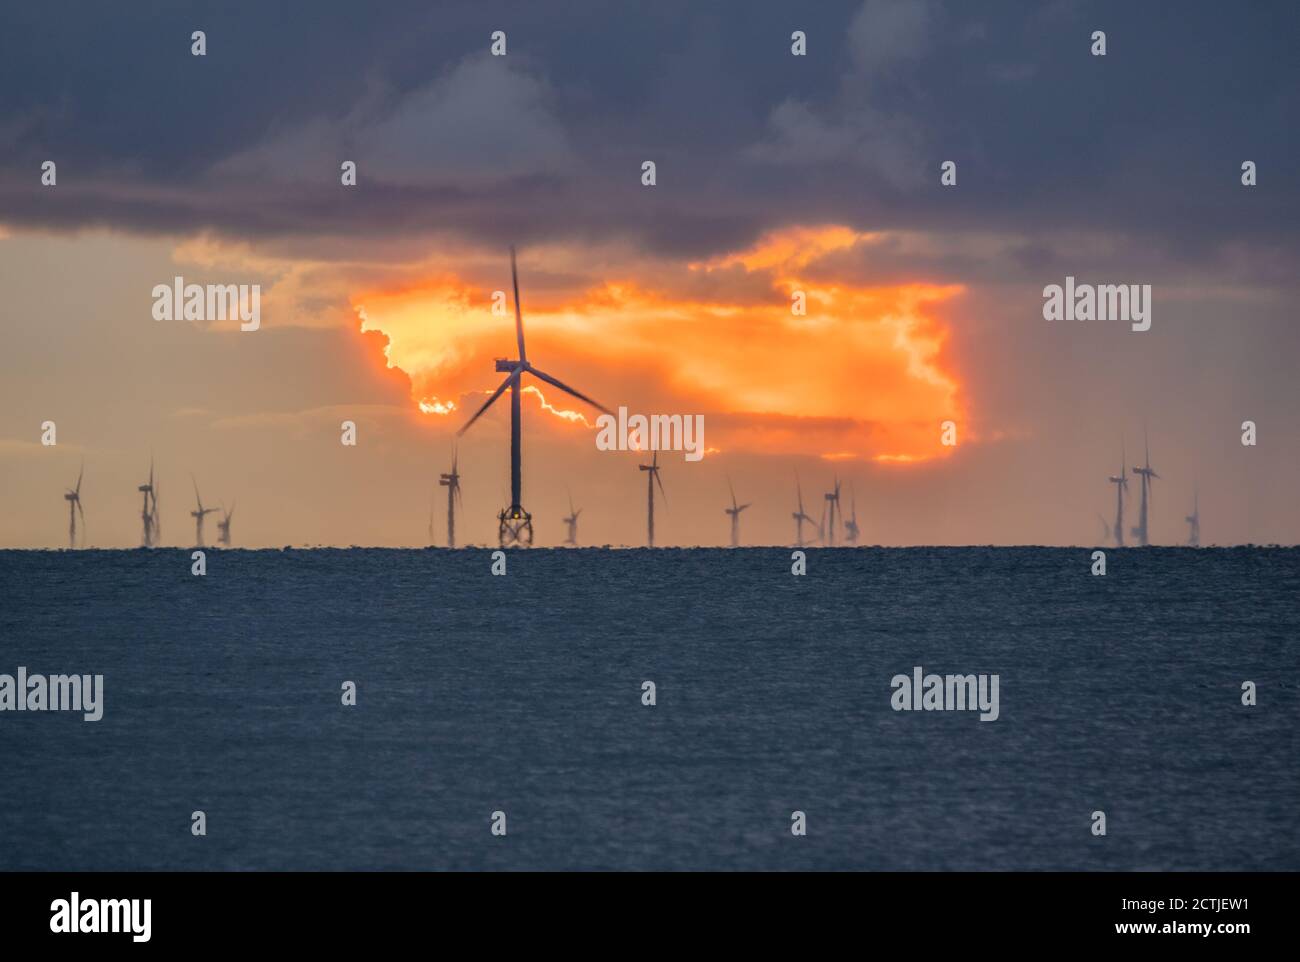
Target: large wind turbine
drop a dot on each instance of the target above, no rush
(1148, 474)
(73, 497)
(1121, 485)
(452, 483)
(833, 501)
(799, 516)
(152, 533)
(223, 526)
(516, 524)
(199, 515)
(651, 478)
(572, 522)
(734, 511)
(1194, 521)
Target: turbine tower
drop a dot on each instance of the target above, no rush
(516, 524)
(833, 501)
(1148, 474)
(1121, 485)
(1194, 521)
(851, 526)
(149, 512)
(452, 483)
(651, 478)
(199, 515)
(572, 522)
(799, 516)
(734, 511)
(223, 526)
(73, 497)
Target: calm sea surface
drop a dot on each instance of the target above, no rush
(523, 694)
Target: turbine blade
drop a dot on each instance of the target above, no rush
(519, 318)
(661, 486)
(510, 379)
(77, 490)
(568, 390)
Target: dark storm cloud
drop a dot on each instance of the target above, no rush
(548, 142)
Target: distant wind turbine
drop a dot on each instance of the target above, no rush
(223, 526)
(651, 479)
(452, 483)
(1121, 485)
(1194, 521)
(799, 516)
(199, 515)
(1148, 474)
(152, 533)
(851, 526)
(73, 497)
(734, 511)
(516, 524)
(572, 522)
(833, 500)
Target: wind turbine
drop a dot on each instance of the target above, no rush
(833, 500)
(452, 483)
(516, 524)
(851, 526)
(1194, 521)
(734, 511)
(799, 516)
(199, 515)
(1121, 485)
(572, 522)
(651, 479)
(223, 526)
(1148, 473)
(73, 497)
(149, 512)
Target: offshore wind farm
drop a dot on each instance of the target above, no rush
(682, 437)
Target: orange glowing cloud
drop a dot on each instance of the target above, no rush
(861, 374)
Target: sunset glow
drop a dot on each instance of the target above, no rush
(861, 375)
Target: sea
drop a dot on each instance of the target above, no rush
(518, 702)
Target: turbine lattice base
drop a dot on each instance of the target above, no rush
(515, 527)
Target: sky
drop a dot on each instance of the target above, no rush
(776, 176)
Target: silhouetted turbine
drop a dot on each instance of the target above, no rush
(1121, 485)
(1148, 474)
(199, 515)
(73, 497)
(1194, 521)
(514, 521)
(651, 479)
(572, 522)
(452, 483)
(152, 532)
(833, 500)
(851, 526)
(734, 511)
(799, 516)
(223, 526)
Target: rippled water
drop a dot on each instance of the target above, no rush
(523, 694)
